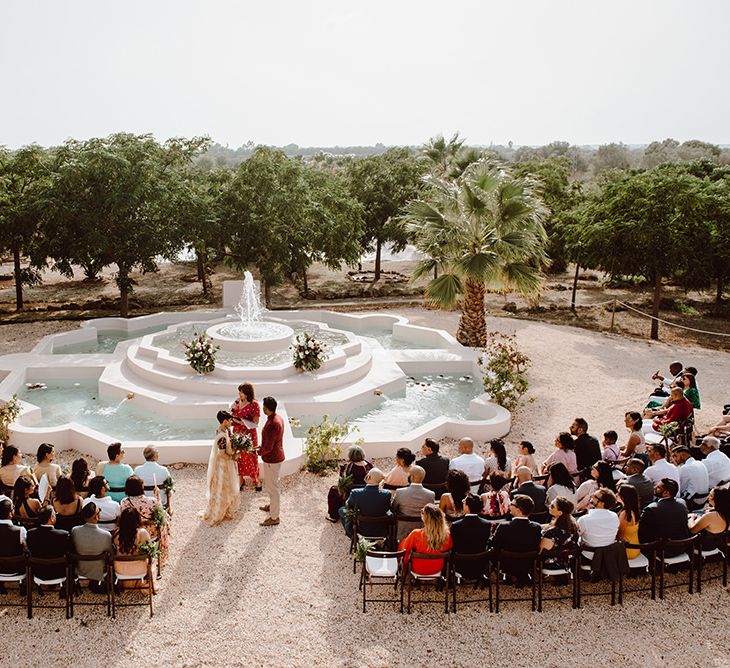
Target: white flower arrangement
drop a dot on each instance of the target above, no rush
(307, 353)
(200, 353)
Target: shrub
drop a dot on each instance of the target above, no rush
(323, 446)
(9, 411)
(503, 369)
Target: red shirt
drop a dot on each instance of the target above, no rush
(416, 541)
(272, 440)
(678, 411)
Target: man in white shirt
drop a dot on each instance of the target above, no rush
(152, 473)
(109, 509)
(694, 484)
(717, 463)
(469, 463)
(599, 526)
(660, 467)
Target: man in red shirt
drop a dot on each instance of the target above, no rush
(272, 454)
(679, 410)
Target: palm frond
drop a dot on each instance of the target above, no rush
(444, 290)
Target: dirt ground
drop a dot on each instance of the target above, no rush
(175, 287)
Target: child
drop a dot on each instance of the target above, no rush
(611, 451)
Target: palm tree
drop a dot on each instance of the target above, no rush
(441, 152)
(483, 231)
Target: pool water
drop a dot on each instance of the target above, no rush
(426, 397)
(386, 339)
(105, 342)
(72, 401)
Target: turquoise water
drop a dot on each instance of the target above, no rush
(426, 397)
(386, 339)
(105, 342)
(73, 401)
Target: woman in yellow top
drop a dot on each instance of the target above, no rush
(628, 518)
(45, 455)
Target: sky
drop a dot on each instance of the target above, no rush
(326, 73)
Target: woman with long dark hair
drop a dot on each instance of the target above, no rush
(635, 445)
(564, 453)
(628, 518)
(67, 504)
(560, 483)
(11, 466)
(398, 476)
(561, 532)
(81, 476)
(714, 523)
(601, 476)
(497, 462)
(127, 538)
(45, 456)
(24, 505)
(452, 502)
(247, 409)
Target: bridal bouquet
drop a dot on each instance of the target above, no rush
(200, 353)
(242, 442)
(308, 353)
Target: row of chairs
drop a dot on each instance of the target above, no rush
(22, 571)
(383, 567)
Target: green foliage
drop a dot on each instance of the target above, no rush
(323, 445)
(503, 367)
(159, 516)
(362, 548)
(168, 484)
(685, 309)
(9, 412)
(151, 548)
(344, 485)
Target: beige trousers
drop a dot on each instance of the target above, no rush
(271, 486)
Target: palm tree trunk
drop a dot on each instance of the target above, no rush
(18, 277)
(655, 307)
(472, 330)
(378, 246)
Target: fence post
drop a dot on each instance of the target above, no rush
(613, 313)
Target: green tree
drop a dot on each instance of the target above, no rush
(384, 184)
(23, 177)
(441, 152)
(115, 201)
(488, 228)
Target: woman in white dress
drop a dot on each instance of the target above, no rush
(222, 475)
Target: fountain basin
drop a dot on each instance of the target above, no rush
(263, 336)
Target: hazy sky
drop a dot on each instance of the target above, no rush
(319, 72)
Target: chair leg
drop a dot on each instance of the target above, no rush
(692, 559)
(534, 589)
(661, 579)
(620, 588)
(539, 588)
(410, 586)
(402, 585)
(613, 593)
(29, 592)
(446, 596)
(496, 590)
(724, 568)
(653, 578)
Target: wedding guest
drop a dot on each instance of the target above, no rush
(81, 476)
(520, 534)
(560, 483)
(433, 538)
(586, 447)
(528, 487)
(115, 471)
(716, 462)
(497, 462)
(48, 542)
(435, 465)
(469, 462)
(694, 482)
(246, 408)
(127, 540)
(714, 523)
(12, 539)
(659, 466)
(11, 467)
(89, 539)
(452, 502)
(470, 535)
(272, 454)
(411, 500)
(599, 526)
(601, 476)
(689, 384)
(45, 456)
(370, 501)
(636, 444)
(496, 501)
(636, 478)
(563, 454)
(526, 457)
(628, 518)
(25, 505)
(561, 533)
(151, 512)
(679, 410)
(108, 508)
(356, 468)
(665, 518)
(67, 504)
(611, 452)
(398, 476)
(153, 474)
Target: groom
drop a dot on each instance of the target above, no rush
(272, 454)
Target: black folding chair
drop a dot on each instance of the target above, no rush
(505, 556)
(685, 550)
(76, 579)
(382, 539)
(479, 581)
(646, 561)
(558, 564)
(704, 555)
(440, 579)
(63, 582)
(380, 568)
(144, 579)
(14, 570)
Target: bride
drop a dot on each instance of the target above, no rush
(222, 475)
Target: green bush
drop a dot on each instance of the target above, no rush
(503, 369)
(323, 446)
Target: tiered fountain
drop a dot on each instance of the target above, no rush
(397, 382)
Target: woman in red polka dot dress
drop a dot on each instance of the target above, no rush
(246, 408)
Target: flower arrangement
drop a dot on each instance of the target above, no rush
(150, 548)
(168, 484)
(200, 353)
(308, 353)
(242, 442)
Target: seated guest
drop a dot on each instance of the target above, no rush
(356, 468)
(694, 482)
(611, 451)
(526, 486)
(67, 504)
(81, 476)
(12, 468)
(12, 538)
(152, 474)
(636, 478)
(561, 533)
(370, 501)
(470, 535)
(601, 476)
(435, 465)
(665, 518)
(45, 455)
(689, 385)
(496, 500)
(526, 457)
(660, 467)
(679, 410)
(586, 447)
(150, 511)
(89, 539)
(433, 538)
(722, 428)
(126, 541)
(518, 535)
(24, 504)
(497, 461)
(469, 462)
(636, 444)
(398, 476)
(47, 542)
(560, 483)
(563, 454)
(675, 373)
(628, 518)
(714, 523)
(452, 502)
(716, 462)
(599, 526)
(116, 472)
(411, 500)
(108, 507)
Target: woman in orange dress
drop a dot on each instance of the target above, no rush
(433, 538)
(247, 408)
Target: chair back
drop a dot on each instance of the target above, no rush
(508, 555)
(462, 558)
(444, 556)
(386, 522)
(37, 562)
(392, 487)
(683, 545)
(12, 565)
(383, 554)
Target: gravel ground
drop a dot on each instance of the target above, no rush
(239, 594)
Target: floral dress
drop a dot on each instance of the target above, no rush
(248, 462)
(145, 506)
